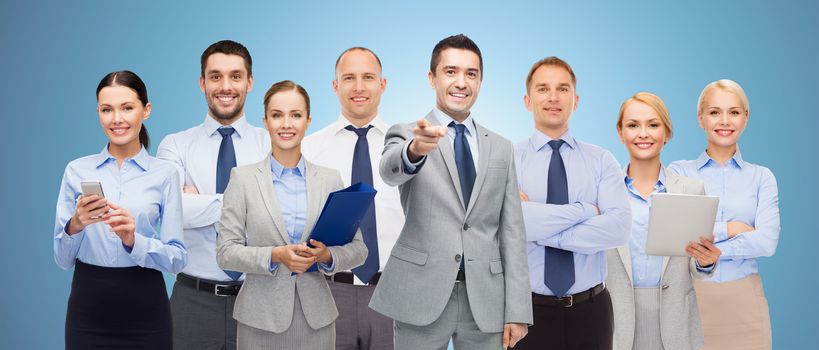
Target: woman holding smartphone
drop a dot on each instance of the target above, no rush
(268, 210)
(732, 303)
(652, 296)
(120, 244)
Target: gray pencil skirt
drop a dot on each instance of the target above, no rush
(298, 336)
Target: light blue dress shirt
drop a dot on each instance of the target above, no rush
(470, 133)
(646, 270)
(291, 191)
(595, 180)
(195, 152)
(747, 193)
(145, 186)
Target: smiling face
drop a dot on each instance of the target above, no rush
(121, 114)
(642, 131)
(286, 120)
(359, 86)
(456, 81)
(225, 84)
(723, 117)
(551, 99)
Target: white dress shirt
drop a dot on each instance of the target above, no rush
(196, 151)
(333, 147)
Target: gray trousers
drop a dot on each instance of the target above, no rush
(647, 319)
(358, 326)
(201, 320)
(298, 336)
(455, 322)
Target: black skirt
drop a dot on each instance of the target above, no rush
(117, 308)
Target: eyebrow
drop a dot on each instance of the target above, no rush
(291, 111)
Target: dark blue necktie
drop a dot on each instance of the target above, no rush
(464, 162)
(363, 172)
(225, 162)
(558, 271)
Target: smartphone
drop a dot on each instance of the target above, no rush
(92, 187)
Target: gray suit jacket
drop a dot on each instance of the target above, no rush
(420, 273)
(679, 317)
(252, 224)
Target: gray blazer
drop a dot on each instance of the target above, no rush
(420, 273)
(679, 317)
(252, 224)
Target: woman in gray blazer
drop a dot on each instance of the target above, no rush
(652, 296)
(268, 210)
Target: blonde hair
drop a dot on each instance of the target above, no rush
(651, 100)
(728, 86)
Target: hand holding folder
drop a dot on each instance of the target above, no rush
(341, 216)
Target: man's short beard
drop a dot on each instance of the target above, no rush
(229, 116)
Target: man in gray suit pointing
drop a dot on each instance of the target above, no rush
(458, 269)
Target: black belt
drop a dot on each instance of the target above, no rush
(213, 287)
(569, 300)
(347, 277)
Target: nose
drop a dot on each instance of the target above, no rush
(723, 118)
(118, 117)
(358, 86)
(643, 132)
(460, 81)
(551, 95)
(287, 122)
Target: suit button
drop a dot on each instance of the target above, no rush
(458, 258)
(466, 226)
(665, 286)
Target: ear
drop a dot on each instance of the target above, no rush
(576, 103)
(250, 83)
(431, 77)
(383, 85)
(620, 136)
(147, 112)
(335, 86)
(202, 83)
(527, 102)
(699, 121)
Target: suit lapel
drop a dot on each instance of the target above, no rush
(314, 191)
(625, 256)
(265, 180)
(484, 151)
(448, 154)
(674, 185)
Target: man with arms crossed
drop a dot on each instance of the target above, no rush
(575, 207)
(458, 269)
(204, 294)
(353, 145)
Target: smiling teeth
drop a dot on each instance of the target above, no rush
(725, 132)
(359, 99)
(643, 145)
(455, 94)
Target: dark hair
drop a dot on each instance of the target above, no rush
(132, 81)
(459, 41)
(550, 61)
(286, 85)
(228, 47)
(358, 48)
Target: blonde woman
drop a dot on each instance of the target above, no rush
(269, 210)
(652, 296)
(732, 303)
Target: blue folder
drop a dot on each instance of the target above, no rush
(341, 216)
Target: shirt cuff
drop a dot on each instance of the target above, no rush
(65, 234)
(704, 269)
(273, 267)
(331, 267)
(139, 250)
(720, 231)
(410, 167)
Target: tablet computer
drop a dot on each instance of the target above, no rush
(676, 219)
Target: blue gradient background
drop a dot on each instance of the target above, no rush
(53, 55)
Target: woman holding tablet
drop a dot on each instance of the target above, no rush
(732, 303)
(118, 245)
(652, 296)
(268, 211)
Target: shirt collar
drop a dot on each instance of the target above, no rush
(660, 186)
(278, 169)
(377, 124)
(704, 159)
(210, 125)
(141, 159)
(539, 140)
(444, 119)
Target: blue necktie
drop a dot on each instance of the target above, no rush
(363, 172)
(558, 269)
(225, 162)
(464, 162)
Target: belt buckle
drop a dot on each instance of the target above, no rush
(216, 289)
(571, 300)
